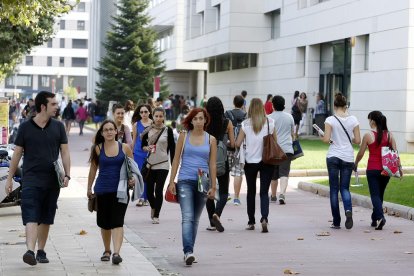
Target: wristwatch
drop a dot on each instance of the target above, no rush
(67, 176)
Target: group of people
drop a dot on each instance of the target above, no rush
(140, 134)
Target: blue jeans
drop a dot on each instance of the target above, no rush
(192, 204)
(377, 184)
(339, 177)
(266, 172)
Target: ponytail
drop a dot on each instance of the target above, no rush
(381, 123)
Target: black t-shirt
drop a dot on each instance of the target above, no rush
(41, 147)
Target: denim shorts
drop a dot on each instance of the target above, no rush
(39, 205)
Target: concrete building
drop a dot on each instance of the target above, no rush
(62, 61)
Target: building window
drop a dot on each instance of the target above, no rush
(302, 4)
(300, 61)
(223, 63)
(164, 41)
(274, 24)
(44, 81)
(218, 17)
(79, 82)
(79, 62)
(19, 81)
(81, 7)
(253, 60)
(49, 61)
(61, 61)
(212, 65)
(81, 25)
(201, 23)
(239, 61)
(79, 43)
(62, 24)
(366, 56)
(29, 60)
(62, 43)
(49, 43)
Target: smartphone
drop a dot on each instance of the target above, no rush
(318, 129)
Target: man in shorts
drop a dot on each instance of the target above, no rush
(284, 125)
(41, 139)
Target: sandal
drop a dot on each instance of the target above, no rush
(116, 259)
(105, 257)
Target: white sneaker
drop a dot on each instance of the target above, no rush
(155, 220)
(189, 258)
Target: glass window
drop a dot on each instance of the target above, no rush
(62, 43)
(275, 24)
(212, 65)
(21, 80)
(49, 43)
(79, 62)
(61, 61)
(79, 43)
(253, 60)
(366, 60)
(239, 61)
(44, 81)
(81, 7)
(62, 24)
(29, 60)
(218, 17)
(223, 63)
(79, 82)
(49, 61)
(81, 25)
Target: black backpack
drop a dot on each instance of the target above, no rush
(235, 121)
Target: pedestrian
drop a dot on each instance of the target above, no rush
(237, 116)
(108, 156)
(42, 139)
(268, 104)
(174, 129)
(244, 95)
(158, 142)
(129, 112)
(303, 106)
(68, 116)
(81, 117)
(29, 110)
(220, 128)
(254, 128)
(296, 113)
(141, 119)
(199, 153)
(320, 111)
(341, 131)
(124, 132)
(181, 117)
(99, 114)
(284, 126)
(378, 137)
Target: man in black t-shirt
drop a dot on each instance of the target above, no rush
(41, 138)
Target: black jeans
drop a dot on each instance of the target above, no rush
(155, 187)
(266, 172)
(223, 183)
(377, 184)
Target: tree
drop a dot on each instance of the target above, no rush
(71, 92)
(24, 25)
(131, 61)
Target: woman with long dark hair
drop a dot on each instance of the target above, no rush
(378, 137)
(141, 119)
(124, 132)
(222, 129)
(107, 156)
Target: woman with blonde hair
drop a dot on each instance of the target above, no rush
(253, 129)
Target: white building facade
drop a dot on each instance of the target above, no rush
(60, 62)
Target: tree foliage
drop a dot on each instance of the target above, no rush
(131, 61)
(24, 25)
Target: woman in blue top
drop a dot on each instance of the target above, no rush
(200, 150)
(141, 119)
(108, 155)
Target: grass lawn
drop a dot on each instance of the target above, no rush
(315, 156)
(398, 191)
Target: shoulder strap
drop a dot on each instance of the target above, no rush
(159, 135)
(346, 132)
(268, 130)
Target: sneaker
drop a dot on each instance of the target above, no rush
(29, 258)
(236, 202)
(211, 228)
(140, 202)
(380, 224)
(189, 258)
(155, 220)
(41, 257)
(349, 222)
(228, 197)
(264, 227)
(216, 221)
(146, 203)
(282, 199)
(335, 226)
(273, 199)
(250, 227)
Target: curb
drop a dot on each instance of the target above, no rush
(391, 209)
(324, 172)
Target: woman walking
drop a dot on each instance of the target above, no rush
(129, 112)
(81, 116)
(199, 153)
(141, 119)
(68, 116)
(124, 132)
(222, 129)
(341, 131)
(253, 129)
(296, 113)
(378, 137)
(107, 156)
(158, 141)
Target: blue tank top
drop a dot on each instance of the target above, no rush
(109, 171)
(138, 152)
(194, 157)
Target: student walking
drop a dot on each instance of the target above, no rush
(199, 153)
(42, 139)
(158, 142)
(378, 137)
(254, 128)
(81, 117)
(124, 132)
(343, 130)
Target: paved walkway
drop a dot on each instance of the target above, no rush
(299, 240)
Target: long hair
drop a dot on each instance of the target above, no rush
(99, 139)
(381, 122)
(188, 125)
(137, 116)
(257, 114)
(215, 109)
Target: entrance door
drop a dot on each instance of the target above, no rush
(329, 85)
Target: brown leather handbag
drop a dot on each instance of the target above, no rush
(272, 152)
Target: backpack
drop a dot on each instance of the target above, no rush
(236, 122)
(295, 108)
(222, 152)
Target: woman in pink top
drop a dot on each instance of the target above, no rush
(81, 117)
(374, 140)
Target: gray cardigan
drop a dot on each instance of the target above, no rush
(129, 166)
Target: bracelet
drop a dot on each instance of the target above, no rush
(67, 176)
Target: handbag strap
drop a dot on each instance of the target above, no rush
(159, 135)
(346, 132)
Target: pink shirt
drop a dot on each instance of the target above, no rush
(82, 113)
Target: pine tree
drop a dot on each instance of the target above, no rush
(132, 61)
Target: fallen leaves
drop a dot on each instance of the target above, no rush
(376, 239)
(397, 232)
(82, 232)
(290, 272)
(323, 234)
(300, 239)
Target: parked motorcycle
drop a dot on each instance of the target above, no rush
(14, 198)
